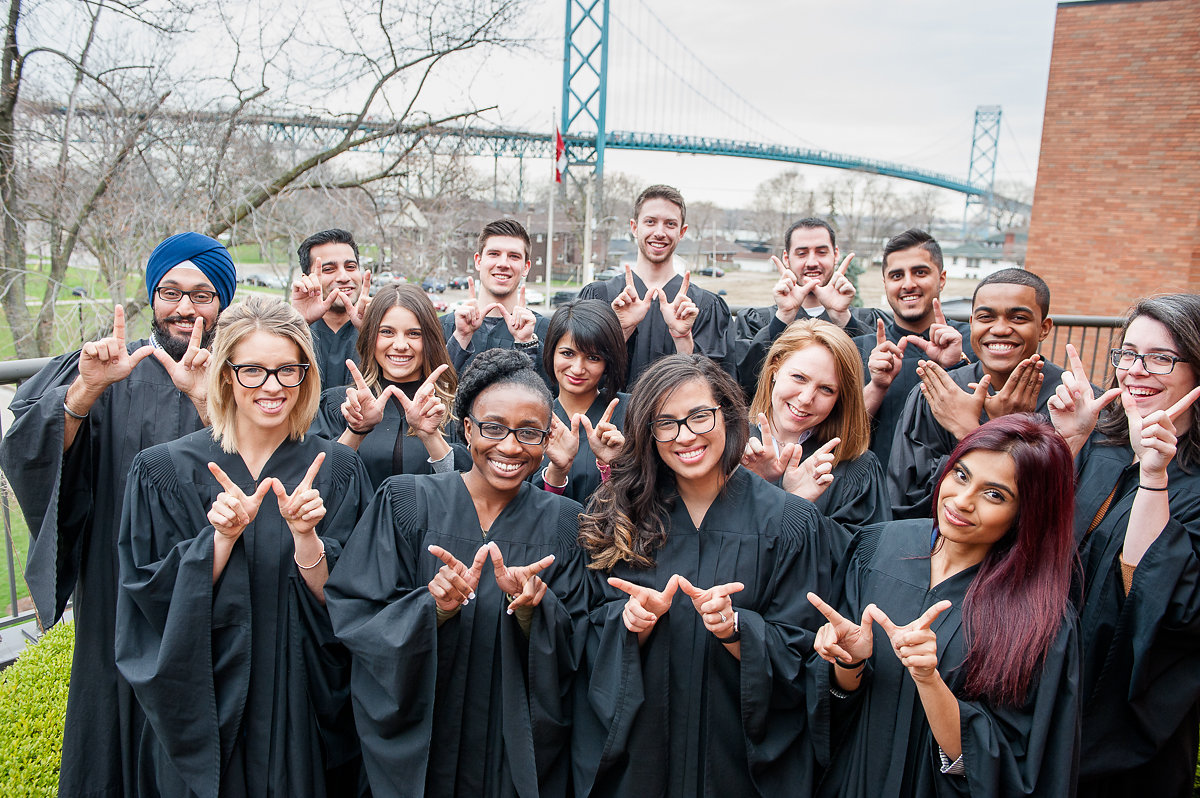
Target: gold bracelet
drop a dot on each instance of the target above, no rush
(314, 565)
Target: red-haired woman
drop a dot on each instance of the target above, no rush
(953, 666)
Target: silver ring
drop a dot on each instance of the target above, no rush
(723, 618)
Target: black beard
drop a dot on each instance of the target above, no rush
(177, 347)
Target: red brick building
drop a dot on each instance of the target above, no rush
(1116, 212)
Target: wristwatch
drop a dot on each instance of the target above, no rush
(737, 633)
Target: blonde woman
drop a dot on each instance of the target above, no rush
(812, 425)
(227, 538)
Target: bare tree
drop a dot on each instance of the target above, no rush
(778, 202)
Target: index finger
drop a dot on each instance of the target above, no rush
(829, 446)
(728, 588)
(446, 557)
(629, 279)
(433, 377)
(521, 298)
(224, 481)
(930, 615)
(683, 287)
(608, 412)
(119, 323)
(783, 270)
(880, 617)
(829, 612)
(359, 382)
(1176, 410)
(845, 264)
(197, 333)
(311, 474)
(541, 564)
(764, 429)
(637, 591)
(880, 334)
(938, 316)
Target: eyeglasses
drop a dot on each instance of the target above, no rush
(1152, 362)
(699, 422)
(494, 431)
(200, 297)
(250, 376)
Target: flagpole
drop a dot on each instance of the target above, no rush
(550, 220)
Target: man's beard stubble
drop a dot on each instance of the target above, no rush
(177, 347)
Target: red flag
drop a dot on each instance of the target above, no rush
(560, 156)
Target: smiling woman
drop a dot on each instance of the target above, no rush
(698, 570)
(928, 687)
(1138, 523)
(463, 669)
(227, 538)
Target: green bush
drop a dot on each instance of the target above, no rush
(33, 705)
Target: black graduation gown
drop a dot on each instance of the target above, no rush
(333, 349)
(472, 708)
(72, 503)
(584, 476)
(681, 716)
(877, 741)
(921, 446)
(858, 495)
(388, 448)
(494, 334)
(241, 686)
(887, 417)
(652, 340)
(757, 329)
(1141, 667)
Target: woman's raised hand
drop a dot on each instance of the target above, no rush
(233, 510)
(425, 411)
(454, 584)
(760, 456)
(714, 605)
(840, 639)
(915, 644)
(303, 508)
(362, 409)
(645, 605)
(604, 439)
(811, 477)
(1153, 438)
(1073, 407)
(563, 443)
(521, 582)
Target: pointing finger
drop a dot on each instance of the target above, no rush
(197, 333)
(880, 335)
(435, 375)
(608, 412)
(1176, 410)
(930, 615)
(728, 588)
(224, 481)
(541, 564)
(672, 586)
(938, 316)
(445, 556)
(637, 591)
(829, 446)
(471, 288)
(481, 556)
(311, 474)
(359, 382)
(880, 617)
(119, 323)
(829, 612)
(845, 264)
(521, 298)
(683, 287)
(783, 270)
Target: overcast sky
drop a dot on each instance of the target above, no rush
(895, 81)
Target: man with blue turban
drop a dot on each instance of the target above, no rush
(78, 425)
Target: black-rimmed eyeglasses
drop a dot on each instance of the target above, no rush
(1152, 362)
(495, 431)
(200, 297)
(250, 376)
(699, 422)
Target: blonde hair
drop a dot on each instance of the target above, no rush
(848, 420)
(237, 321)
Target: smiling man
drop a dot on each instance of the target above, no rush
(1010, 317)
(331, 295)
(913, 279)
(661, 312)
(78, 425)
(495, 315)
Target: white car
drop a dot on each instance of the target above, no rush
(534, 297)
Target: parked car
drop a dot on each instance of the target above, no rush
(264, 280)
(534, 296)
(460, 283)
(562, 297)
(710, 271)
(430, 285)
(608, 274)
(439, 304)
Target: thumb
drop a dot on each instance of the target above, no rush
(981, 387)
(673, 584)
(575, 421)
(272, 484)
(683, 584)
(587, 425)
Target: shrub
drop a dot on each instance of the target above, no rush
(33, 705)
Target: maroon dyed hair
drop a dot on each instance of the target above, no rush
(1014, 608)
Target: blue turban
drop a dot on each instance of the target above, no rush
(205, 253)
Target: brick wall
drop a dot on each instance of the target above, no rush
(1116, 212)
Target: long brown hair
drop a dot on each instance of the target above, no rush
(624, 521)
(433, 342)
(848, 420)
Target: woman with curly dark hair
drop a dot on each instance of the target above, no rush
(1137, 521)
(699, 629)
(463, 667)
